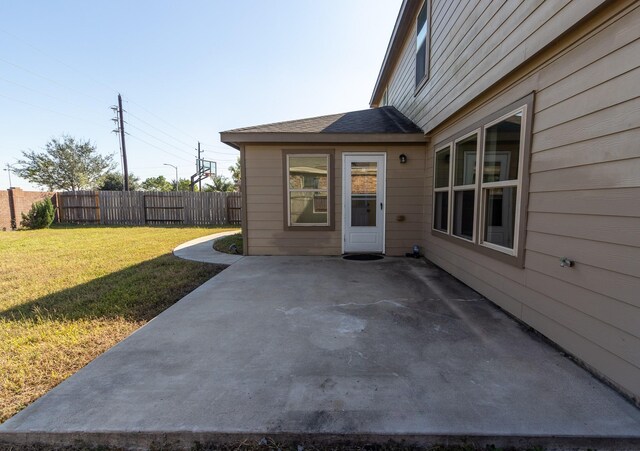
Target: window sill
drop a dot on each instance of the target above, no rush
(310, 228)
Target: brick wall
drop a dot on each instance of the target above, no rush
(14, 202)
(5, 211)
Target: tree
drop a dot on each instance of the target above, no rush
(236, 174)
(184, 185)
(220, 184)
(66, 164)
(112, 181)
(159, 183)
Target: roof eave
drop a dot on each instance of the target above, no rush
(404, 21)
(236, 139)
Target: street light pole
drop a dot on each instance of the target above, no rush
(9, 168)
(176, 168)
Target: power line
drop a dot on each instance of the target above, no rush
(59, 61)
(95, 80)
(50, 110)
(158, 139)
(156, 147)
(220, 145)
(100, 82)
(161, 131)
(218, 152)
(42, 93)
(227, 148)
(50, 80)
(166, 122)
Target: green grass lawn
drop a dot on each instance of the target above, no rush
(69, 293)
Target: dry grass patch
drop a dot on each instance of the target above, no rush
(69, 293)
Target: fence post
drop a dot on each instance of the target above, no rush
(98, 215)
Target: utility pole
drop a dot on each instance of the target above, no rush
(124, 149)
(199, 168)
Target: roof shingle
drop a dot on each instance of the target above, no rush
(376, 120)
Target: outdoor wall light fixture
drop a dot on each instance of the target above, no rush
(403, 158)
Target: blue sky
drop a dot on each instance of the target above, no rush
(186, 69)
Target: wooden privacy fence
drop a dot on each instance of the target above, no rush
(149, 207)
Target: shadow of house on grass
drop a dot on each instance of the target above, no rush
(137, 293)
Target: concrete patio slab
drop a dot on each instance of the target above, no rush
(284, 346)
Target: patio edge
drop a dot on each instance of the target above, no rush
(187, 440)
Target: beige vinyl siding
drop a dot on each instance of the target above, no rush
(265, 205)
(405, 195)
(584, 198)
(473, 45)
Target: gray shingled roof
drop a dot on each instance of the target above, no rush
(376, 120)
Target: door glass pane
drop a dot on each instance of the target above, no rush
(364, 185)
(502, 150)
(465, 168)
(500, 215)
(442, 168)
(463, 206)
(441, 212)
(308, 172)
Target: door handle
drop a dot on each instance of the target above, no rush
(380, 205)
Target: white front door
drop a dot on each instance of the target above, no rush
(363, 202)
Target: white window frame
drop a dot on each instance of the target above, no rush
(480, 186)
(308, 190)
(504, 184)
(468, 187)
(427, 41)
(443, 189)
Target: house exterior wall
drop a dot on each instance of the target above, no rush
(584, 193)
(265, 229)
(474, 44)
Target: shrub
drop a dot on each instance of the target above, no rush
(40, 216)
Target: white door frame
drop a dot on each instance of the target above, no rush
(346, 203)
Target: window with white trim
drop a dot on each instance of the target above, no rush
(464, 186)
(308, 189)
(502, 155)
(477, 191)
(442, 188)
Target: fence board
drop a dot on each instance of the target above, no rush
(153, 208)
(80, 206)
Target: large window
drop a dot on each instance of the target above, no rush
(478, 179)
(422, 44)
(500, 179)
(308, 189)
